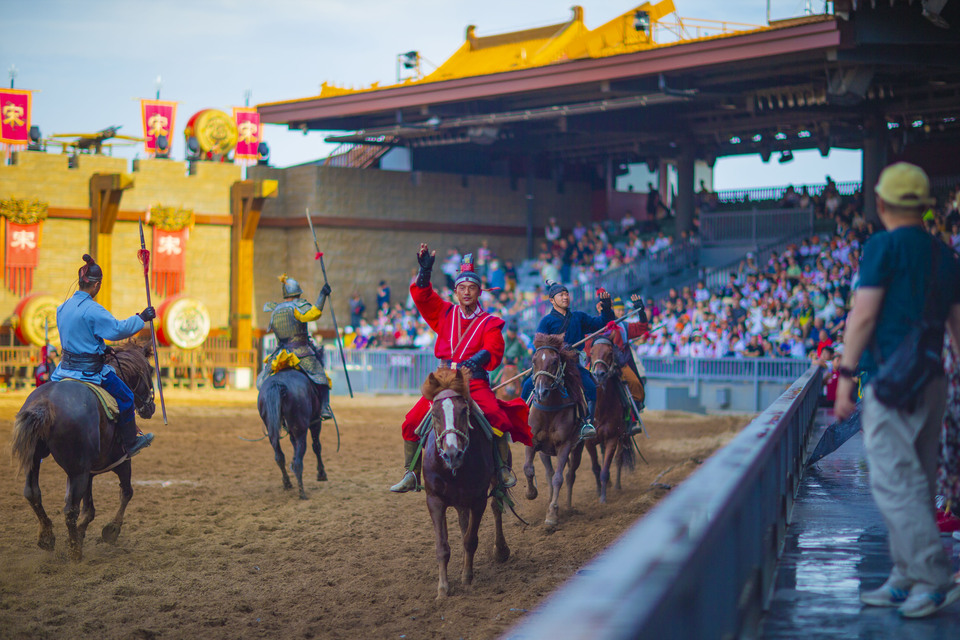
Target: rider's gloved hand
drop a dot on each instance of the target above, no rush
(425, 259)
(611, 326)
(326, 290)
(322, 297)
(148, 314)
(637, 301)
(477, 362)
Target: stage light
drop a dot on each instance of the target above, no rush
(163, 147)
(780, 135)
(35, 137)
(409, 59)
(803, 134)
(641, 21)
(735, 140)
(757, 138)
(765, 152)
(263, 153)
(785, 156)
(193, 147)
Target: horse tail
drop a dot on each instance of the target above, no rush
(273, 394)
(31, 426)
(627, 458)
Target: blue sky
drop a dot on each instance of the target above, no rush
(90, 61)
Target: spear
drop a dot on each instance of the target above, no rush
(144, 256)
(333, 315)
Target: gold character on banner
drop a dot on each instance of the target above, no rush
(23, 240)
(247, 131)
(13, 114)
(157, 125)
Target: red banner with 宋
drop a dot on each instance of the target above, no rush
(15, 116)
(169, 261)
(21, 255)
(248, 133)
(158, 118)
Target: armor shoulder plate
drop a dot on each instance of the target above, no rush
(303, 306)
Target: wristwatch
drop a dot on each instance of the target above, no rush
(846, 372)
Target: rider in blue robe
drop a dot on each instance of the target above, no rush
(575, 325)
(84, 325)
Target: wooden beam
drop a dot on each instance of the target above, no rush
(246, 204)
(106, 191)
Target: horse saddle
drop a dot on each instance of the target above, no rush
(107, 401)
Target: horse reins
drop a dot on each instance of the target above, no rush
(557, 379)
(142, 381)
(465, 435)
(609, 368)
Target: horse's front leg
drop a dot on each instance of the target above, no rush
(76, 489)
(471, 538)
(550, 474)
(315, 436)
(88, 513)
(111, 532)
(574, 464)
(530, 472)
(501, 552)
(608, 456)
(281, 461)
(299, 450)
(438, 513)
(46, 540)
(594, 463)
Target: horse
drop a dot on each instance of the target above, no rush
(609, 421)
(289, 399)
(511, 390)
(65, 419)
(458, 471)
(556, 405)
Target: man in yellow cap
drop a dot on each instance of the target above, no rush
(906, 277)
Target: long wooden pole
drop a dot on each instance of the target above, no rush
(144, 257)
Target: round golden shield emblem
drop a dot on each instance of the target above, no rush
(215, 131)
(183, 322)
(35, 315)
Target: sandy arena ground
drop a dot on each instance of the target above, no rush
(213, 547)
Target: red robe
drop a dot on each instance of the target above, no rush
(459, 338)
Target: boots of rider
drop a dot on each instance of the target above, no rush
(411, 479)
(588, 431)
(507, 477)
(134, 441)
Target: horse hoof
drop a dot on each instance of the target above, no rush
(47, 541)
(110, 533)
(322, 476)
(501, 554)
(303, 496)
(532, 493)
(442, 592)
(76, 553)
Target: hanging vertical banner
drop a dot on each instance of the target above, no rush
(15, 116)
(21, 255)
(169, 261)
(248, 133)
(158, 117)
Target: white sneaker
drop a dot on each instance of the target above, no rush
(890, 594)
(925, 603)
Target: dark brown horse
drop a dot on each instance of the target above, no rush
(609, 420)
(511, 390)
(556, 405)
(66, 419)
(289, 400)
(458, 471)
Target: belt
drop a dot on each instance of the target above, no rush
(87, 363)
(453, 364)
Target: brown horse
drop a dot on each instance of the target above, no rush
(458, 471)
(556, 405)
(609, 420)
(66, 419)
(512, 390)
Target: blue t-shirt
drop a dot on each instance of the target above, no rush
(899, 262)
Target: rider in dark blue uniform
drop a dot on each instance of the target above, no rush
(575, 325)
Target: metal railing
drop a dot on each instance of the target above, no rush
(762, 194)
(701, 564)
(751, 227)
(728, 369)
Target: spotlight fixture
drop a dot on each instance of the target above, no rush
(193, 148)
(765, 151)
(35, 137)
(163, 147)
(263, 153)
(785, 156)
(641, 21)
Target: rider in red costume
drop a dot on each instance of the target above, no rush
(469, 338)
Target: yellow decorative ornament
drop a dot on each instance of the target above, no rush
(284, 360)
(215, 131)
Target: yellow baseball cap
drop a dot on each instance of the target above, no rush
(904, 185)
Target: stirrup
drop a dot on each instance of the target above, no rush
(634, 430)
(508, 479)
(587, 431)
(143, 441)
(408, 483)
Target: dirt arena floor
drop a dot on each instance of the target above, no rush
(213, 547)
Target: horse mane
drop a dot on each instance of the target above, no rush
(134, 353)
(453, 379)
(570, 357)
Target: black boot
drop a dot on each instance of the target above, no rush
(133, 441)
(588, 431)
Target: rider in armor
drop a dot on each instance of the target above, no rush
(468, 338)
(84, 325)
(574, 325)
(621, 335)
(295, 349)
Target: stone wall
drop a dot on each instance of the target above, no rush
(373, 222)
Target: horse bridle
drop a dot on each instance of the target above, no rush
(143, 393)
(464, 435)
(608, 368)
(556, 384)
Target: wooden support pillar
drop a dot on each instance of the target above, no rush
(106, 190)
(685, 170)
(246, 203)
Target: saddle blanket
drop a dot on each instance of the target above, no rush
(107, 401)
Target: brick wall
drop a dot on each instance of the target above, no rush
(357, 258)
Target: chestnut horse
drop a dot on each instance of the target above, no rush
(66, 419)
(610, 416)
(556, 404)
(458, 471)
(512, 390)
